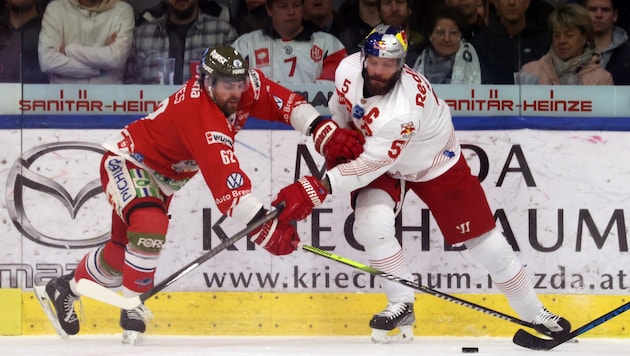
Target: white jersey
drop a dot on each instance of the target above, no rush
(409, 132)
(311, 57)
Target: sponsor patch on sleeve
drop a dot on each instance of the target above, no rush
(213, 137)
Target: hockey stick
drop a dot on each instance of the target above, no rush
(417, 287)
(525, 339)
(103, 294)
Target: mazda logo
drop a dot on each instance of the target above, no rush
(22, 176)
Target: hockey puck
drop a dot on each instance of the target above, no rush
(470, 350)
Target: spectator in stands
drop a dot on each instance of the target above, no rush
(24, 22)
(449, 58)
(359, 17)
(508, 42)
(572, 58)
(251, 15)
(86, 41)
(611, 41)
(322, 14)
(292, 50)
(182, 33)
(398, 13)
(155, 11)
(469, 12)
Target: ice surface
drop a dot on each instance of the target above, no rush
(107, 345)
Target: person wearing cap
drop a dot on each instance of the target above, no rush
(152, 158)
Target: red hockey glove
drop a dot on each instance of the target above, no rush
(337, 144)
(276, 237)
(300, 198)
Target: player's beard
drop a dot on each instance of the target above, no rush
(375, 85)
(229, 106)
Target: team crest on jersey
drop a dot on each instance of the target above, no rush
(235, 180)
(262, 57)
(126, 142)
(317, 53)
(288, 49)
(357, 112)
(213, 137)
(407, 130)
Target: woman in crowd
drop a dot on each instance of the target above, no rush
(572, 58)
(448, 59)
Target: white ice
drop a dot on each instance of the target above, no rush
(108, 345)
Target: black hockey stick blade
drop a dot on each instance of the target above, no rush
(525, 339)
(418, 287)
(103, 294)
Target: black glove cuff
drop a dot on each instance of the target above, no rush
(314, 125)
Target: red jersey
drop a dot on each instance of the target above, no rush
(188, 133)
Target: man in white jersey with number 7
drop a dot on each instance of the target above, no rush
(410, 145)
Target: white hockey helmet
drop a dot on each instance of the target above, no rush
(386, 41)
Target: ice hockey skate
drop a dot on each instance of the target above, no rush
(395, 316)
(57, 300)
(133, 323)
(551, 324)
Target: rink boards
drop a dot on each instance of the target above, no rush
(552, 163)
(311, 314)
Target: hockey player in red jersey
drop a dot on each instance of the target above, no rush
(410, 145)
(191, 131)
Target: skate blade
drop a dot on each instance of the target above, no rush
(399, 335)
(130, 337)
(46, 303)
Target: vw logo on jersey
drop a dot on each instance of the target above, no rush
(235, 180)
(357, 112)
(288, 50)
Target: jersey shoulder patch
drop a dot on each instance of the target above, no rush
(255, 81)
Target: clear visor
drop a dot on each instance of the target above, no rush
(223, 84)
(231, 79)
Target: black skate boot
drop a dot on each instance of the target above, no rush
(396, 315)
(133, 323)
(58, 300)
(551, 324)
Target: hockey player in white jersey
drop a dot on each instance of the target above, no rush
(291, 50)
(410, 145)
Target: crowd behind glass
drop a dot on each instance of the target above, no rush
(302, 41)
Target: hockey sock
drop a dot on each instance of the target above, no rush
(374, 228)
(96, 267)
(497, 256)
(146, 234)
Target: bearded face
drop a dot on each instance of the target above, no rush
(380, 74)
(226, 93)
